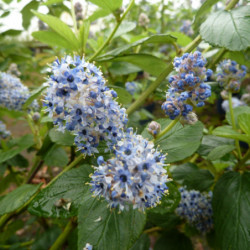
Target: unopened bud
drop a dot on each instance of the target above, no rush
(154, 128)
(191, 118)
(143, 20)
(36, 116)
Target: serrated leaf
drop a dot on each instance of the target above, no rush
(23, 143)
(173, 240)
(192, 177)
(219, 152)
(63, 197)
(180, 142)
(231, 210)
(59, 27)
(112, 230)
(229, 132)
(149, 63)
(17, 198)
(56, 156)
(229, 29)
(244, 122)
(34, 95)
(237, 111)
(53, 39)
(60, 138)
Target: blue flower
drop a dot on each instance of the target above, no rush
(13, 94)
(187, 85)
(186, 28)
(230, 75)
(134, 176)
(78, 100)
(196, 209)
(131, 87)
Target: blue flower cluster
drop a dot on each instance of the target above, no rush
(13, 94)
(135, 176)
(78, 100)
(230, 74)
(131, 87)
(196, 209)
(186, 28)
(3, 132)
(187, 85)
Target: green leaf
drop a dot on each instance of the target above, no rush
(154, 39)
(60, 138)
(182, 39)
(100, 226)
(10, 230)
(84, 34)
(63, 197)
(59, 27)
(229, 132)
(180, 142)
(173, 240)
(17, 198)
(169, 202)
(204, 9)
(110, 5)
(123, 96)
(123, 68)
(26, 13)
(238, 56)
(124, 28)
(190, 175)
(167, 221)
(52, 39)
(142, 243)
(229, 29)
(211, 142)
(23, 143)
(231, 210)
(237, 111)
(98, 13)
(56, 156)
(11, 32)
(244, 122)
(50, 2)
(219, 152)
(34, 95)
(149, 63)
(19, 160)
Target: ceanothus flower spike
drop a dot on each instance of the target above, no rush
(134, 176)
(78, 100)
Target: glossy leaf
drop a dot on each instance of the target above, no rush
(237, 111)
(182, 39)
(244, 122)
(231, 210)
(59, 27)
(229, 132)
(52, 39)
(27, 14)
(23, 143)
(60, 138)
(17, 198)
(219, 152)
(99, 226)
(192, 177)
(110, 5)
(180, 142)
(56, 156)
(123, 68)
(123, 96)
(229, 29)
(63, 197)
(142, 243)
(124, 28)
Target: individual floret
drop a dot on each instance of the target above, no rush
(13, 94)
(230, 75)
(135, 176)
(79, 101)
(196, 209)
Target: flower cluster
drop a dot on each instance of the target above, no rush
(187, 85)
(13, 70)
(230, 74)
(13, 94)
(3, 132)
(196, 208)
(135, 176)
(186, 28)
(79, 101)
(131, 87)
